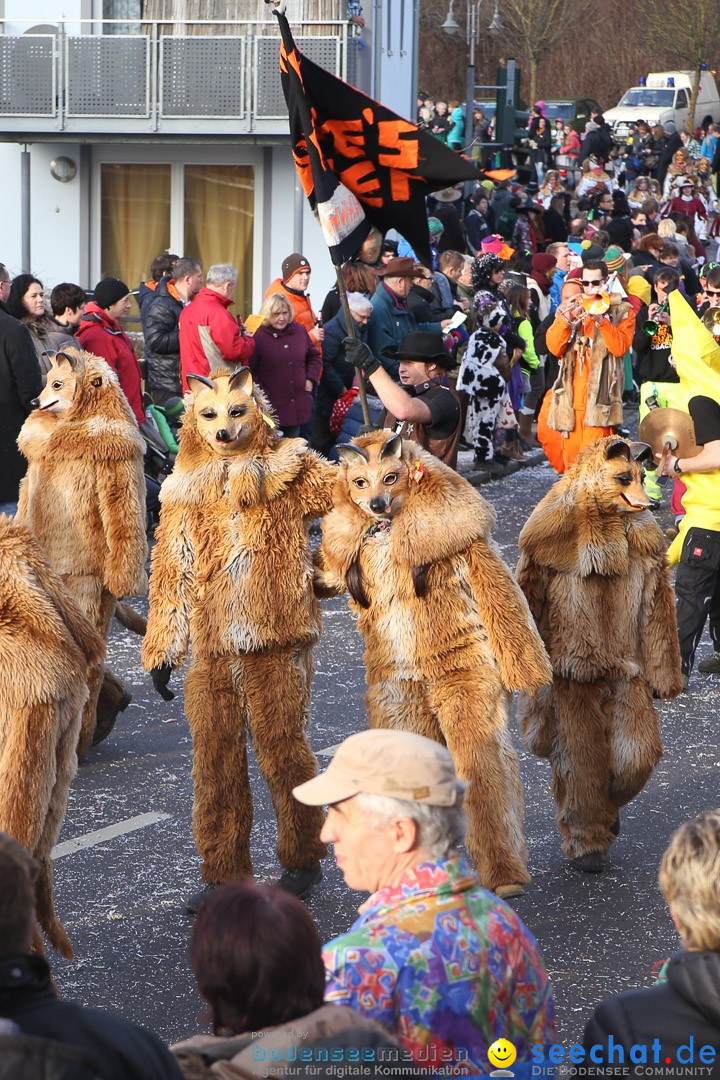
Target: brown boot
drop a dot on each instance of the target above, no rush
(511, 447)
(525, 422)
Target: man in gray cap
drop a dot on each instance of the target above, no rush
(441, 962)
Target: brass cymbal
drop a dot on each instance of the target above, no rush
(673, 426)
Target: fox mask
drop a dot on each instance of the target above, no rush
(62, 379)
(613, 470)
(377, 476)
(378, 480)
(228, 416)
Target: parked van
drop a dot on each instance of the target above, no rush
(663, 96)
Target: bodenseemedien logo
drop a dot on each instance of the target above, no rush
(501, 1054)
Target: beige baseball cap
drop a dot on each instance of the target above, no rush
(381, 762)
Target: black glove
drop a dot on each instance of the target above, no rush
(160, 678)
(359, 355)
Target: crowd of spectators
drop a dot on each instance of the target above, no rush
(433, 972)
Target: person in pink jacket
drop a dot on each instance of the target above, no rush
(100, 333)
(210, 336)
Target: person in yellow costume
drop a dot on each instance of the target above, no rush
(696, 548)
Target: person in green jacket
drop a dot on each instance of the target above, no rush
(518, 298)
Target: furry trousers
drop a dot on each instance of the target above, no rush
(265, 695)
(467, 710)
(99, 606)
(38, 760)
(603, 742)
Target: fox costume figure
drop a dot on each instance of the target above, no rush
(595, 573)
(83, 499)
(447, 631)
(232, 581)
(48, 654)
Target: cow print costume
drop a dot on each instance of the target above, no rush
(480, 379)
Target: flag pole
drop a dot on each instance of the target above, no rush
(351, 333)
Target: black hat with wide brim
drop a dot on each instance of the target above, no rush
(423, 347)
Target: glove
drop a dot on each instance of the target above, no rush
(160, 678)
(359, 355)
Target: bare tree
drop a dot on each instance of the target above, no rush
(690, 30)
(536, 26)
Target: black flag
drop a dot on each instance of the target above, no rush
(359, 163)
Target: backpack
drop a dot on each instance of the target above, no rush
(506, 223)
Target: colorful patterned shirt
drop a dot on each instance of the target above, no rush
(446, 966)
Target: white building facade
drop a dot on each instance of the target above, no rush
(131, 127)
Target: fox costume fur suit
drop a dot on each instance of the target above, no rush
(83, 497)
(447, 631)
(595, 573)
(232, 579)
(48, 653)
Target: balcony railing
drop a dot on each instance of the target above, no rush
(162, 79)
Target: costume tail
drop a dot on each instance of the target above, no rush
(130, 618)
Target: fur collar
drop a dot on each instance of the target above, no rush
(570, 532)
(442, 515)
(201, 477)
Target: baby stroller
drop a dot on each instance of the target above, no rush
(159, 430)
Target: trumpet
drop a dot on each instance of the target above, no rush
(576, 312)
(651, 326)
(597, 304)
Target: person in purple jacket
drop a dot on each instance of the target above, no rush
(286, 364)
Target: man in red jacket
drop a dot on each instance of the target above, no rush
(100, 333)
(210, 337)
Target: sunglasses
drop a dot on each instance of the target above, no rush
(594, 281)
(713, 292)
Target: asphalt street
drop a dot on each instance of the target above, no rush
(126, 858)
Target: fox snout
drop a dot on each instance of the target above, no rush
(222, 435)
(35, 403)
(380, 504)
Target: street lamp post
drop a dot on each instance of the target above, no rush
(472, 21)
(450, 26)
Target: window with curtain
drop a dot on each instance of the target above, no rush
(219, 207)
(135, 219)
(122, 9)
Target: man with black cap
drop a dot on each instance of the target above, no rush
(293, 285)
(421, 408)
(100, 333)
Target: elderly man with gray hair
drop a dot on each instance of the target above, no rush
(210, 337)
(338, 373)
(446, 966)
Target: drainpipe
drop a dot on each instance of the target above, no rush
(25, 209)
(298, 209)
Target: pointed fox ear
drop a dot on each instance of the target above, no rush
(65, 360)
(392, 447)
(617, 448)
(349, 453)
(201, 383)
(641, 451)
(242, 380)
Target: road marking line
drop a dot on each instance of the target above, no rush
(329, 750)
(100, 835)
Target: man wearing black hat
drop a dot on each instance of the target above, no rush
(421, 408)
